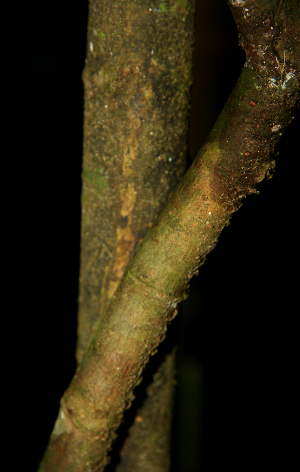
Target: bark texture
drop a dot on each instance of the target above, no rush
(137, 78)
(137, 81)
(235, 158)
(148, 446)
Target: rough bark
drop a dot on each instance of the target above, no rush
(235, 158)
(137, 78)
(147, 447)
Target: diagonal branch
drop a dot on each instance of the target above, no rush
(234, 159)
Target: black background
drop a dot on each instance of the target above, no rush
(235, 402)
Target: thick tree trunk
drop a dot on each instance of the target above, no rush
(137, 79)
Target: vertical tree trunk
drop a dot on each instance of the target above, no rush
(137, 79)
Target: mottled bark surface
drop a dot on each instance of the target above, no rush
(149, 437)
(236, 157)
(137, 79)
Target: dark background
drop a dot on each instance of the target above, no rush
(235, 401)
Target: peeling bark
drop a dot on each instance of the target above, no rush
(235, 158)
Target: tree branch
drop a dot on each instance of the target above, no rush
(234, 159)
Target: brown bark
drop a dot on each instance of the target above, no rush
(148, 444)
(137, 77)
(235, 158)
